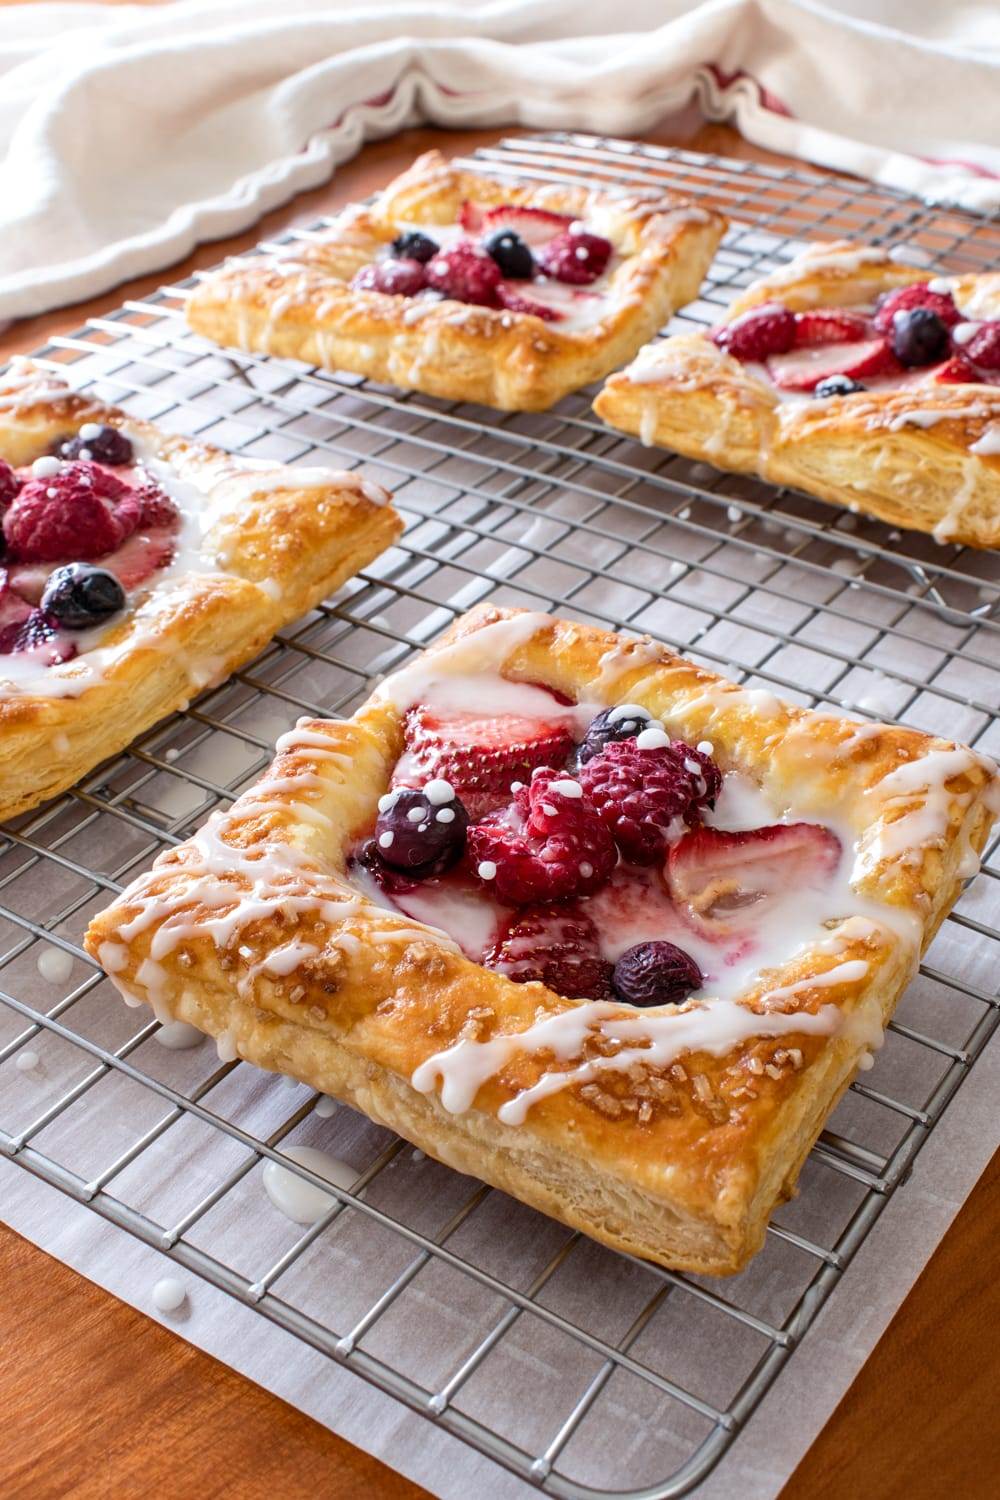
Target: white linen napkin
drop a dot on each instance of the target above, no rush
(131, 134)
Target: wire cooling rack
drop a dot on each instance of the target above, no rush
(580, 1370)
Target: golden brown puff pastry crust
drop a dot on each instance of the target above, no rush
(908, 456)
(275, 541)
(252, 932)
(300, 305)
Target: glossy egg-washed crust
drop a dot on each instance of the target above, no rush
(173, 641)
(300, 305)
(680, 1165)
(689, 395)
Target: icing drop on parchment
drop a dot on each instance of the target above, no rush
(297, 1199)
(169, 1294)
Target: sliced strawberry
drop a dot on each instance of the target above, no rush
(513, 299)
(479, 753)
(720, 875)
(803, 369)
(828, 325)
(555, 945)
(955, 371)
(141, 556)
(534, 225)
(470, 216)
(14, 609)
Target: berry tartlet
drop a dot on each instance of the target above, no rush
(573, 915)
(470, 288)
(863, 381)
(137, 567)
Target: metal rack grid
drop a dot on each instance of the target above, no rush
(455, 1291)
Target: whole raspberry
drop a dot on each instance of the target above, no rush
(577, 258)
(906, 298)
(759, 333)
(547, 845)
(657, 973)
(80, 513)
(984, 347)
(39, 634)
(155, 506)
(9, 485)
(466, 273)
(555, 945)
(397, 278)
(643, 791)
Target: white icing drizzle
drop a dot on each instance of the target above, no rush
(929, 416)
(464, 677)
(950, 522)
(989, 444)
(178, 1036)
(847, 258)
(964, 333)
(713, 1026)
(926, 780)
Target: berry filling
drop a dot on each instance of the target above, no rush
(81, 529)
(525, 260)
(596, 862)
(911, 334)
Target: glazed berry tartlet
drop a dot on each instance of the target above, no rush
(137, 567)
(80, 534)
(461, 286)
(574, 916)
(856, 378)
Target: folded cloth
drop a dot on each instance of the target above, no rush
(133, 133)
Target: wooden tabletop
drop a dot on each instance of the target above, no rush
(99, 1401)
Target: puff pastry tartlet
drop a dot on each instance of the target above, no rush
(469, 288)
(847, 375)
(139, 567)
(522, 1014)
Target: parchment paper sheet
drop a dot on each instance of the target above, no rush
(764, 1455)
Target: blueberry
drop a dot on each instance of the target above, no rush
(919, 336)
(657, 973)
(421, 830)
(80, 595)
(105, 445)
(838, 385)
(511, 254)
(621, 723)
(414, 246)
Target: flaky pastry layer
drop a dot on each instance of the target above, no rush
(273, 547)
(873, 451)
(300, 304)
(252, 932)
